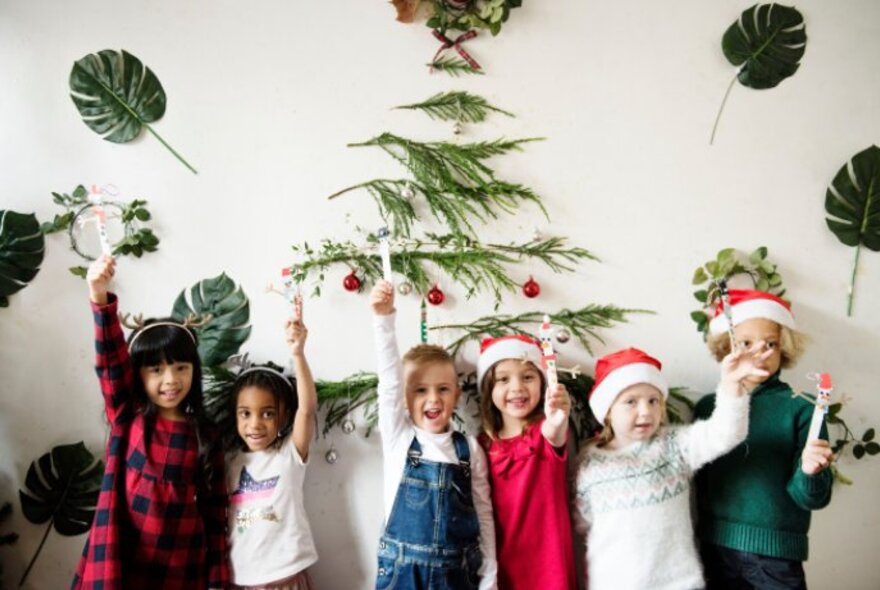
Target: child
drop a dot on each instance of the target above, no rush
(161, 513)
(755, 502)
(438, 514)
(525, 439)
(270, 543)
(633, 485)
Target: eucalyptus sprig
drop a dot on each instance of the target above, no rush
(136, 241)
(456, 106)
(582, 323)
(479, 266)
(727, 264)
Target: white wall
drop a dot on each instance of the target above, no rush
(262, 99)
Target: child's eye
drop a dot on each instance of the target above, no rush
(772, 345)
(268, 415)
(630, 402)
(503, 380)
(654, 401)
(243, 413)
(528, 377)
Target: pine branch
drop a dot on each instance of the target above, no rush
(481, 267)
(456, 106)
(339, 399)
(444, 165)
(583, 324)
(457, 209)
(453, 66)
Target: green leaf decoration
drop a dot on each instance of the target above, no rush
(117, 96)
(456, 106)
(453, 66)
(228, 328)
(61, 488)
(21, 252)
(767, 44)
(853, 205)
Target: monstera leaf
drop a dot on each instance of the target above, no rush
(61, 488)
(21, 252)
(228, 327)
(766, 43)
(853, 205)
(117, 96)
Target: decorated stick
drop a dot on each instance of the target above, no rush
(385, 252)
(823, 400)
(548, 356)
(424, 322)
(725, 306)
(101, 219)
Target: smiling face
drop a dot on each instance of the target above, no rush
(755, 330)
(516, 393)
(635, 415)
(431, 393)
(167, 385)
(257, 417)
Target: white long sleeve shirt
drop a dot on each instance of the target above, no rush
(397, 431)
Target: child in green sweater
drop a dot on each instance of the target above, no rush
(755, 502)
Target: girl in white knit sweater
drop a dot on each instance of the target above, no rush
(633, 480)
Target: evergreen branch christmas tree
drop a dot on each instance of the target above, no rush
(580, 323)
(456, 106)
(453, 66)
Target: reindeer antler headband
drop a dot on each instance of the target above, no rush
(137, 323)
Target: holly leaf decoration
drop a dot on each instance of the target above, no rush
(21, 252)
(853, 205)
(61, 488)
(118, 97)
(767, 43)
(228, 328)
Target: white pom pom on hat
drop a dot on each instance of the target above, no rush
(514, 346)
(748, 304)
(619, 370)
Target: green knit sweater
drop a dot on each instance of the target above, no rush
(756, 498)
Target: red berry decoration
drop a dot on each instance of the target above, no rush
(531, 288)
(436, 296)
(351, 282)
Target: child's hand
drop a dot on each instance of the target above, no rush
(382, 298)
(557, 406)
(816, 457)
(743, 363)
(296, 330)
(98, 278)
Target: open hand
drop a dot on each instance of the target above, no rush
(743, 363)
(382, 298)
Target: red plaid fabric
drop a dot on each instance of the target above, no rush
(155, 527)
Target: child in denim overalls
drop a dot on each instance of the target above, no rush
(439, 531)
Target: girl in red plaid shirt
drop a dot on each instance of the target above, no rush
(161, 513)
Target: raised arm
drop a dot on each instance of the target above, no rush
(392, 413)
(112, 362)
(307, 396)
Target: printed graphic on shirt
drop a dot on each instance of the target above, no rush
(252, 490)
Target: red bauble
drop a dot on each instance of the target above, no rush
(436, 296)
(351, 282)
(531, 288)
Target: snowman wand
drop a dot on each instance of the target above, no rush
(101, 219)
(725, 307)
(548, 355)
(385, 252)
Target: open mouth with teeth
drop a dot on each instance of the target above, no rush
(433, 413)
(518, 402)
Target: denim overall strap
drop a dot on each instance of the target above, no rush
(431, 538)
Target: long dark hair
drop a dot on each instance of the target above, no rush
(283, 392)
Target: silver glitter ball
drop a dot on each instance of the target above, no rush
(348, 426)
(331, 456)
(408, 192)
(457, 128)
(404, 288)
(563, 336)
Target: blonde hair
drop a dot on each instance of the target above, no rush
(607, 433)
(490, 416)
(426, 354)
(791, 342)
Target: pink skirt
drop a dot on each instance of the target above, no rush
(300, 581)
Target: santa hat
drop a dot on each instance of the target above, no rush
(747, 305)
(515, 346)
(619, 370)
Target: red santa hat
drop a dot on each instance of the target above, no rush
(619, 370)
(515, 346)
(747, 304)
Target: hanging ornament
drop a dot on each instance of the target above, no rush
(407, 192)
(536, 235)
(351, 282)
(563, 336)
(404, 288)
(531, 288)
(457, 128)
(436, 296)
(348, 426)
(331, 457)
